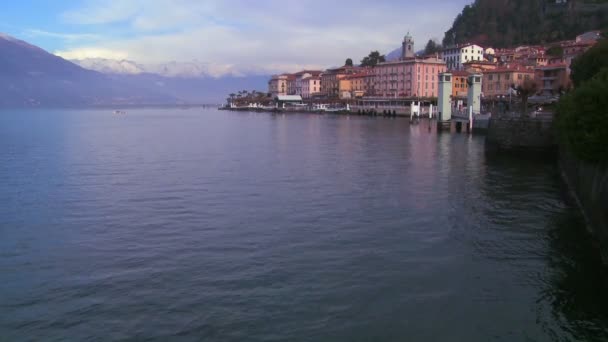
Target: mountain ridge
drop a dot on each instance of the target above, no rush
(33, 77)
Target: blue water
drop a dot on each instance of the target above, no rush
(199, 225)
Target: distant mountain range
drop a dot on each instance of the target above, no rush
(30, 76)
(126, 67)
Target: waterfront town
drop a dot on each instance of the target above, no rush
(414, 77)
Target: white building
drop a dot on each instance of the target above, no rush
(455, 56)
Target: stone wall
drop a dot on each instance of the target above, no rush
(533, 134)
(588, 184)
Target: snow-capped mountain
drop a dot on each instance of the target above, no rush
(111, 66)
(126, 67)
(31, 76)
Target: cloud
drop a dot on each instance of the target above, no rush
(92, 52)
(265, 36)
(69, 37)
(106, 12)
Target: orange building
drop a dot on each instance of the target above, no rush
(460, 87)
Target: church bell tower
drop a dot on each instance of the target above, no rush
(407, 48)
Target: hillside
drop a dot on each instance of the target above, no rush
(504, 23)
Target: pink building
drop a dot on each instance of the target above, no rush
(410, 77)
(304, 79)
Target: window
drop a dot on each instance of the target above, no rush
(519, 76)
(490, 77)
(448, 79)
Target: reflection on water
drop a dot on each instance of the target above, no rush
(201, 225)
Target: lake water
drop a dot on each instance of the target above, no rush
(199, 225)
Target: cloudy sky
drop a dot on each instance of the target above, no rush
(232, 36)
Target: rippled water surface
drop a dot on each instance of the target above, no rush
(219, 226)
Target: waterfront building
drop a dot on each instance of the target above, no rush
(500, 81)
(299, 80)
(457, 55)
(277, 85)
(552, 79)
(291, 84)
(310, 86)
(345, 88)
(330, 80)
(361, 83)
(411, 77)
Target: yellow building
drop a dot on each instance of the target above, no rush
(344, 88)
(278, 85)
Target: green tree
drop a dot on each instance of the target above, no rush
(349, 62)
(585, 66)
(505, 23)
(373, 59)
(432, 47)
(582, 119)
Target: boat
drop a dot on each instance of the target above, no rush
(118, 112)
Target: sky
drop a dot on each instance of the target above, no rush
(229, 36)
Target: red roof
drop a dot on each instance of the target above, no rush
(514, 68)
(460, 73)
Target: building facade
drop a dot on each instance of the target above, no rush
(299, 79)
(277, 85)
(500, 81)
(456, 56)
(414, 77)
(361, 83)
(330, 80)
(460, 87)
(310, 86)
(552, 79)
